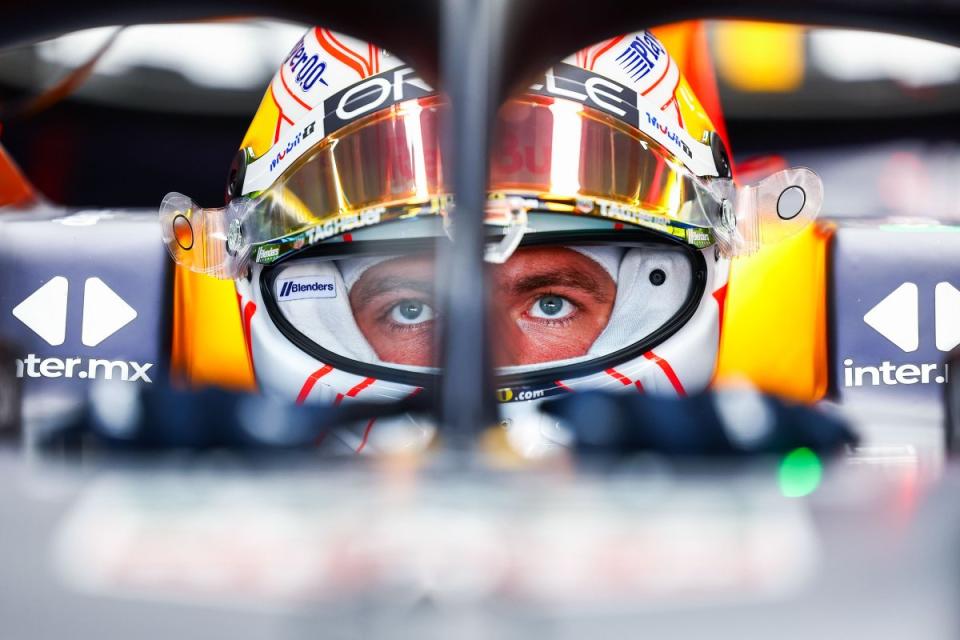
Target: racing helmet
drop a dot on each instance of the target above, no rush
(612, 215)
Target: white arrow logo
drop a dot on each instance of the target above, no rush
(45, 312)
(104, 312)
(947, 299)
(896, 317)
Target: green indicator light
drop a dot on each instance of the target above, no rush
(800, 473)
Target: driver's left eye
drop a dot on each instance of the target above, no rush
(551, 307)
(411, 312)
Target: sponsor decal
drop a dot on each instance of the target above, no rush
(45, 312)
(340, 109)
(509, 395)
(641, 55)
(304, 287)
(888, 373)
(306, 69)
(897, 318)
(632, 215)
(344, 223)
(372, 94)
(266, 255)
(33, 366)
(699, 238)
(294, 242)
(671, 134)
(104, 313)
(293, 143)
(593, 90)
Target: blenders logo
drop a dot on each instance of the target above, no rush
(699, 238)
(292, 144)
(290, 288)
(267, 254)
(306, 287)
(305, 69)
(641, 55)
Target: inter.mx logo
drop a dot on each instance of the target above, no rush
(897, 318)
(104, 313)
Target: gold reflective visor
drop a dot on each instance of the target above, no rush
(559, 154)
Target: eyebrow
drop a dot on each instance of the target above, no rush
(387, 284)
(572, 278)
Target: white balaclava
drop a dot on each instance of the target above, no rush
(640, 306)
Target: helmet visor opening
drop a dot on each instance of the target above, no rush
(555, 304)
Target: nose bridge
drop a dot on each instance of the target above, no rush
(503, 329)
(506, 337)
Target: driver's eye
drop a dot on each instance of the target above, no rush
(551, 307)
(411, 312)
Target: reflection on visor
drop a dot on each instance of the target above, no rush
(569, 157)
(545, 146)
(553, 305)
(563, 149)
